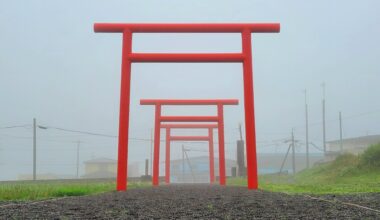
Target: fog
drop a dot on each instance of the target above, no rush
(54, 68)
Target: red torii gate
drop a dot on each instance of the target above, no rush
(158, 103)
(209, 138)
(244, 57)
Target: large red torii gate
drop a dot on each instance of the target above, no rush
(209, 138)
(244, 57)
(158, 119)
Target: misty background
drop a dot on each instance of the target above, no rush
(55, 68)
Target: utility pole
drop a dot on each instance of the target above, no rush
(241, 169)
(340, 132)
(78, 146)
(34, 148)
(293, 154)
(191, 168)
(324, 116)
(183, 163)
(146, 167)
(286, 157)
(241, 133)
(151, 151)
(307, 132)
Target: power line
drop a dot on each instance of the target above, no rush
(94, 134)
(16, 126)
(77, 131)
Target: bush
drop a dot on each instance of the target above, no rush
(345, 160)
(344, 165)
(371, 156)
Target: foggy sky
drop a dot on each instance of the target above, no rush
(55, 68)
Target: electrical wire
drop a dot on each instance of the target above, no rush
(16, 126)
(77, 131)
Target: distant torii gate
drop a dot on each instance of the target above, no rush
(244, 57)
(209, 138)
(219, 118)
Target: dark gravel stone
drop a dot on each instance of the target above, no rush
(187, 202)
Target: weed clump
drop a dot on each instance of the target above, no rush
(371, 157)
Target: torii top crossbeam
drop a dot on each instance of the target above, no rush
(244, 57)
(129, 29)
(189, 101)
(187, 28)
(189, 126)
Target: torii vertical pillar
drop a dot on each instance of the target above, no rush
(167, 158)
(222, 164)
(250, 125)
(122, 156)
(211, 153)
(156, 150)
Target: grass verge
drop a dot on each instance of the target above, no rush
(348, 174)
(38, 191)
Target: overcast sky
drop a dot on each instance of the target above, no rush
(55, 68)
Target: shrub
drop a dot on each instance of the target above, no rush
(371, 156)
(344, 160)
(344, 165)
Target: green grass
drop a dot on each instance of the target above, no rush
(38, 191)
(348, 174)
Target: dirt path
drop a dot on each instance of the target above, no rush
(188, 202)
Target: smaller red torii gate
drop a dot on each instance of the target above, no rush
(219, 118)
(209, 138)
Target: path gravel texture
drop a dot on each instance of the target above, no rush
(189, 202)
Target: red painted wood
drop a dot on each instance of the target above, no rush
(128, 57)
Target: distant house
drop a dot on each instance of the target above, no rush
(100, 168)
(106, 168)
(195, 169)
(356, 145)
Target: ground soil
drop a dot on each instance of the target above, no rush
(194, 201)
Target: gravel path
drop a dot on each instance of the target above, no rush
(370, 200)
(189, 202)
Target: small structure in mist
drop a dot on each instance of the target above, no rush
(106, 168)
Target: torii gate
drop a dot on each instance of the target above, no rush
(244, 57)
(219, 118)
(209, 138)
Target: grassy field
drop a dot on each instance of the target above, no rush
(347, 174)
(369, 182)
(36, 191)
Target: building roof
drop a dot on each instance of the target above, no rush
(100, 160)
(362, 140)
